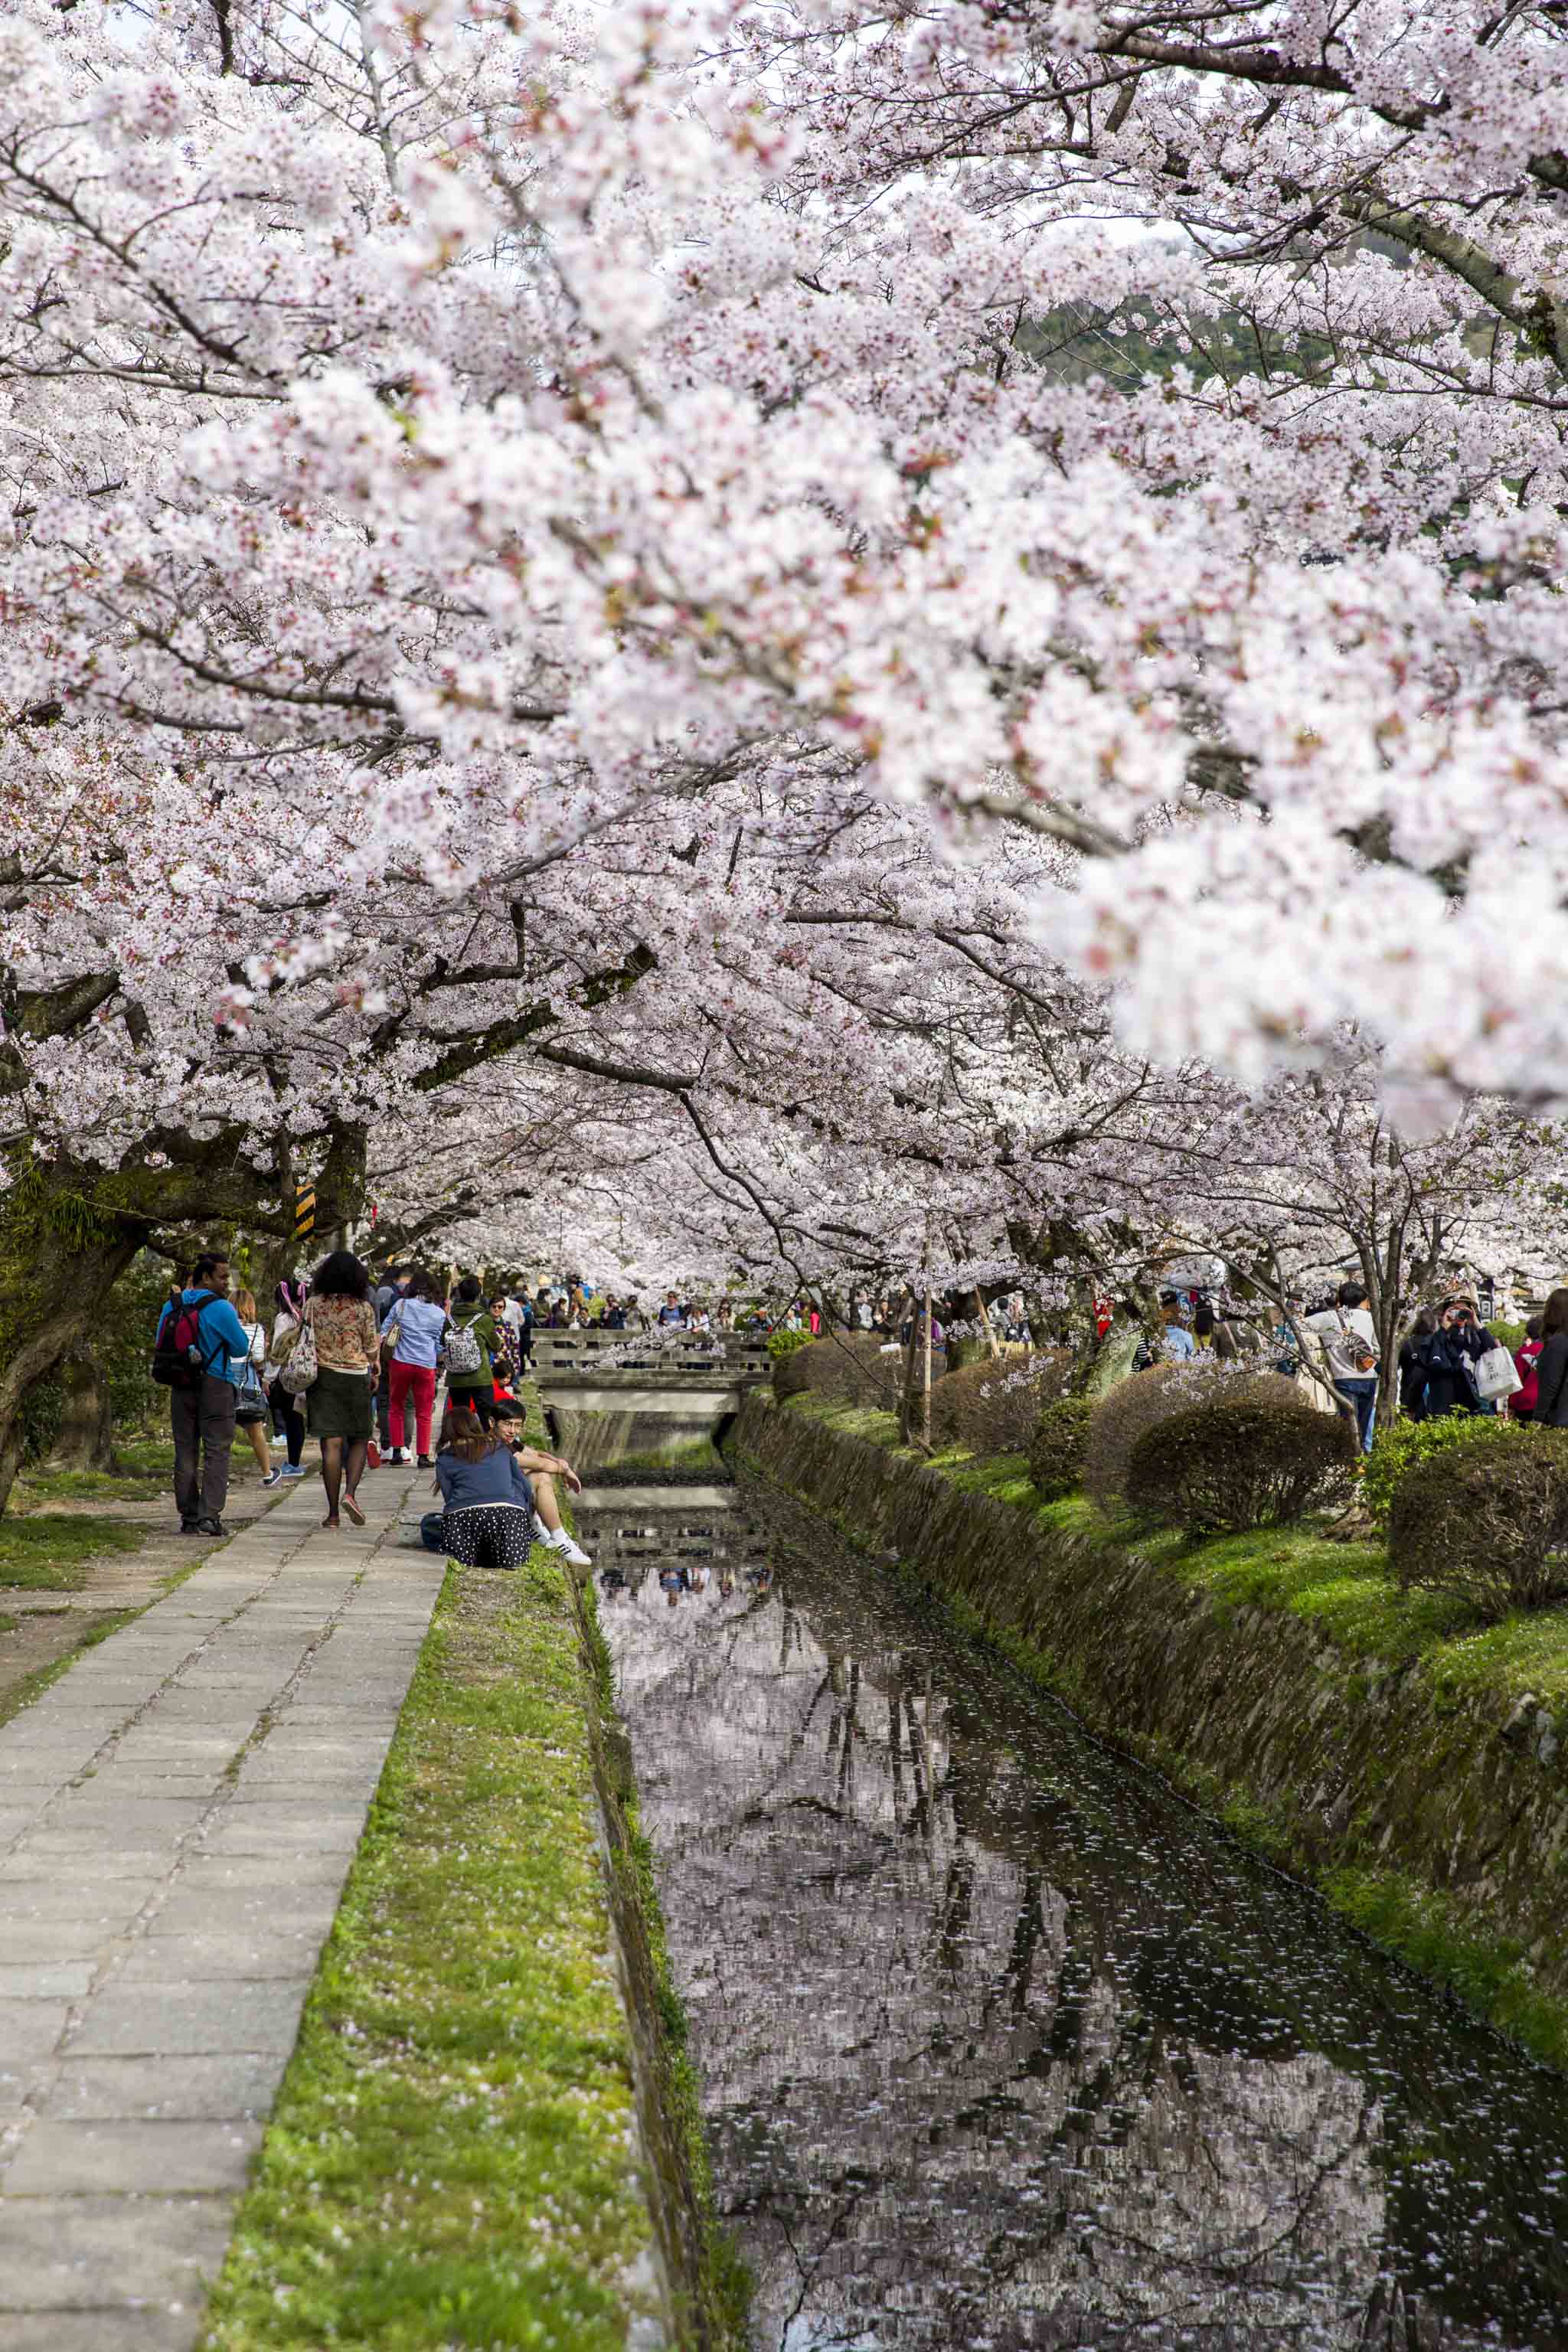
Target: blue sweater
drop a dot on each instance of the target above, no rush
(224, 1342)
(420, 1327)
(497, 1479)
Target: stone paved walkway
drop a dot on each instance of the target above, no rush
(177, 1817)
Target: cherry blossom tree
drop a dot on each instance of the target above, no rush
(554, 608)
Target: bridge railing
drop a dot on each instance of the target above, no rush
(684, 1356)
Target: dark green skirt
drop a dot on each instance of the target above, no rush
(339, 1404)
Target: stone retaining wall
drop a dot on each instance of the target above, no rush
(1335, 1765)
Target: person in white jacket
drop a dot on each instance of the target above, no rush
(1350, 1342)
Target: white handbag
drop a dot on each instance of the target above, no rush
(1497, 1375)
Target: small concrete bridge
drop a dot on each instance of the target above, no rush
(611, 1393)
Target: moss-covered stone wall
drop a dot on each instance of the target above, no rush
(705, 2282)
(1437, 1820)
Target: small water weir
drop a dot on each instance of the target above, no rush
(613, 1394)
(1001, 2046)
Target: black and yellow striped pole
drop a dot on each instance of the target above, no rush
(304, 1210)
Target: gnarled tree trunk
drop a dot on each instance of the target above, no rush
(84, 1439)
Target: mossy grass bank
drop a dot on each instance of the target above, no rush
(454, 2159)
(450, 2161)
(50, 1553)
(1388, 1746)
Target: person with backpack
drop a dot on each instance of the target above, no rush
(472, 1345)
(200, 1353)
(1350, 1342)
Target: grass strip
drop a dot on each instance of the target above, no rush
(450, 2162)
(51, 1552)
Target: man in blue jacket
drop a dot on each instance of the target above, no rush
(203, 1414)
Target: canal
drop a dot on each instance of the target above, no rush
(1000, 2044)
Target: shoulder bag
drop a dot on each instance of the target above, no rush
(1362, 1352)
(299, 1372)
(1497, 1375)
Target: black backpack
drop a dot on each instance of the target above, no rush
(177, 1359)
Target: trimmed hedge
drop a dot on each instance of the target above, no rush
(1489, 1524)
(848, 1368)
(1399, 1450)
(1143, 1399)
(994, 1406)
(1056, 1448)
(1233, 1464)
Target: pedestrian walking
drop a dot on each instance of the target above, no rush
(200, 1349)
(340, 1398)
(252, 1412)
(412, 1334)
(473, 1344)
(288, 1411)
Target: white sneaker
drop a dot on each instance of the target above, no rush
(558, 1540)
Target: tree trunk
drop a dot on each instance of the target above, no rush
(990, 1334)
(59, 1259)
(1113, 1361)
(84, 1439)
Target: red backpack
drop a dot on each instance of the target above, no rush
(177, 1359)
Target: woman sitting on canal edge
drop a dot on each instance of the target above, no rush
(492, 1512)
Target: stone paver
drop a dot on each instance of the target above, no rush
(177, 1816)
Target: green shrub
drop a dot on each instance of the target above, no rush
(1056, 1448)
(993, 1407)
(785, 1343)
(1143, 1399)
(1230, 1463)
(1511, 1335)
(848, 1367)
(1487, 1523)
(1398, 1450)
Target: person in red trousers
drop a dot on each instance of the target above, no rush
(416, 1324)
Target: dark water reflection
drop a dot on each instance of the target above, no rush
(1002, 2047)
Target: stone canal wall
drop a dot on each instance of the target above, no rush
(1439, 1820)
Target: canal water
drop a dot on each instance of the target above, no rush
(1000, 2045)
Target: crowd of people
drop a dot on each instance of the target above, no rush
(1450, 1361)
(355, 1366)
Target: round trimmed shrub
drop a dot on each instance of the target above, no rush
(1056, 1448)
(845, 1368)
(1233, 1464)
(1487, 1523)
(994, 1407)
(1399, 1450)
(1144, 1399)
